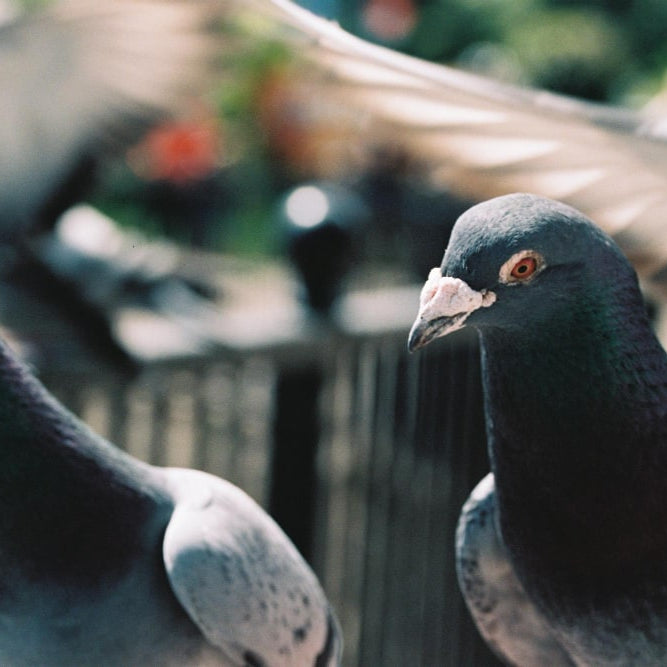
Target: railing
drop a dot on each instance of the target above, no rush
(364, 454)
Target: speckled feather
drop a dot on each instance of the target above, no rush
(244, 585)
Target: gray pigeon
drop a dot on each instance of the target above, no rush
(561, 549)
(108, 561)
(81, 77)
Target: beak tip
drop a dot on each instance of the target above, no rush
(413, 345)
(416, 338)
(424, 331)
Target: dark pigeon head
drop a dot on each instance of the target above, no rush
(514, 260)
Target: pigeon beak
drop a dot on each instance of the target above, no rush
(444, 305)
(424, 331)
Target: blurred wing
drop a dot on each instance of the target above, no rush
(505, 617)
(242, 582)
(85, 71)
(480, 138)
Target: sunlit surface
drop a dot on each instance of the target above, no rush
(307, 206)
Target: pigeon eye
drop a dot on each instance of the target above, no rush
(521, 267)
(524, 268)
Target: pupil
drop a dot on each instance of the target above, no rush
(523, 268)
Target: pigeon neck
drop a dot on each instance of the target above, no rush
(70, 503)
(577, 432)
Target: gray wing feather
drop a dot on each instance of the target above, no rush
(509, 622)
(81, 75)
(480, 138)
(242, 581)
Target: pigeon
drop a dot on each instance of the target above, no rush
(561, 548)
(106, 560)
(82, 79)
(471, 135)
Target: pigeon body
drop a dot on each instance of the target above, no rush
(107, 560)
(575, 386)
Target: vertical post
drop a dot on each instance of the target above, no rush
(296, 432)
(321, 222)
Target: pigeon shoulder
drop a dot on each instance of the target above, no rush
(507, 619)
(241, 580)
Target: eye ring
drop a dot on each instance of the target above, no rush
(521, 267)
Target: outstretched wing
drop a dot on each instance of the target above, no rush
(481, 138)
(242, 581)
(509, 622)
(82, 72)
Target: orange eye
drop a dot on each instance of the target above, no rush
(524, 268)
(521, 267)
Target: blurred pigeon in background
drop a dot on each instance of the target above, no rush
(474, 136)
(81, 78)
(561, 550)
(109, 561)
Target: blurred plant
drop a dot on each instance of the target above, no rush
(206, 179)
(599, 49)
(28, 4)
(577, 51)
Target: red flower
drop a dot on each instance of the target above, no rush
(179, 151)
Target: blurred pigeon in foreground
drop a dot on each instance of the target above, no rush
(476, 137)
(109, 561)
(82, 76)
(561, 550)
